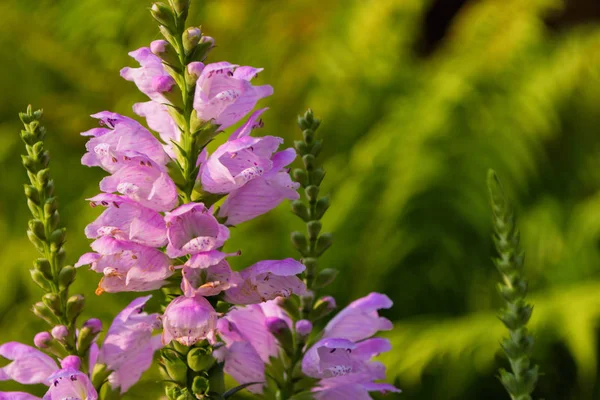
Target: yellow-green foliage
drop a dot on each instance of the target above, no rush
(408, 142)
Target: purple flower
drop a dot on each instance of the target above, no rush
(17, 396)
(342, 359)
(126, 219)
(127, 266)
(304, 327)
(261, 195)
(42, 340)
(71, 362)
(225, 95)
(249, 343)
(192, 229)
(189, 320)
(241, 159)
(151, 78)
(94, 324)
(60, 332)
(145, 182)
(121, 138)
(129, 344)
(267, 280)
(159, 120)
(207, 274)
(28, 365)
(70, 384)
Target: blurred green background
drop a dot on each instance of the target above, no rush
(418, 99)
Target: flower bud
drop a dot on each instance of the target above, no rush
(300, 176)
(304, 328)
(175, 368)
(199, 360)
(94, 324)
(42, 340)
(205, 45)
(188, 320)
(321, 206)
(309, 161)
(163, 15)
(194, 69)
(40, 279)
(300, 209)
(57, 238)
(71, 362)
(314, 228)
(60, 332)
(43, 312)
(74, 306)
(325, 277)
(323, 307)
(52, 301)
(99, 374)
(165, 51)
(191, 38)
(280, 329)
(299, 241)
(43, 265)
(181, 5)
(200, 386)
(323, 243)
(65, 277)
(312, 193)
(317, 175)
(37, 228)
(32, 193)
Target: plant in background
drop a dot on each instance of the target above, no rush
(169, 205)
(521, 382)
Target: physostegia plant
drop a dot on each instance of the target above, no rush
(168, 205)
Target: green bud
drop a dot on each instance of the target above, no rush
(300, 176)
(191, 38)
(50, 206)
(299, 241)
(29, 164)
(200, 385)
(53, 220)
(43, 159)
(43, 177)
(291, 306)
(301, 147)
(100, 374)
(199, 360)
(181, 6)
(28, 137)
(174, 366)
(32, 193)
(163, 15)
(311, 264)
(321, 207)
(322, 308)
(85, 338)
(57, 238)
(165, 51)
(323, 243)
(43, 265)
(300, 209)
(52, 301)
(43, 312)
(66, 277)
(307, 134)
(33, 207)
(317, 176)
(37, 228)
(206, 134)
(40, 279)
(309, 161)
(312, 192)
(39, 245)
(60, 257)
(325, 277)
(74, 306)
(205, 45)
(303, 123)
(316, 148)
(314, 228)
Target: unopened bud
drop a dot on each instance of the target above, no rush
(57, 238)
(313, 228)
(37, 228)
(32, 193)
(99, 374)
(321, 206)
(300, 209)
(174, 366)
(164, 50)
(299, 241)
(94, 324)
(317, 176)
(66, 277)
(309, 161)
(300, 176)
(71, 362)
(163, 15)
(42, 311)
(304, 328)
(323, 243)
(280, 329)
(191, 38)
(323, 307)
(325, 277)
(200, 386)
(43, 265)
(199, 360)
(42, 340)
(205, 45)
(60, 332)
(74, 306)
(40, 279)
(52, 301)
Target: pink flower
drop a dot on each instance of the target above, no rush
(262, 194)
(267, 280)
(28, 365)
(129, 344)
(207, 274)
(145, 182)
(241, 159)
(121, 138)
(159, 120)
(126, 266)
(342, 359)
(188, 320)
(151, 78)
(192, 229)
(126, 219)
(225, 95)
(70, 384)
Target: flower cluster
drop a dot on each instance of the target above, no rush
(124, 355)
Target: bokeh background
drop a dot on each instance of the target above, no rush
(418, 98)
